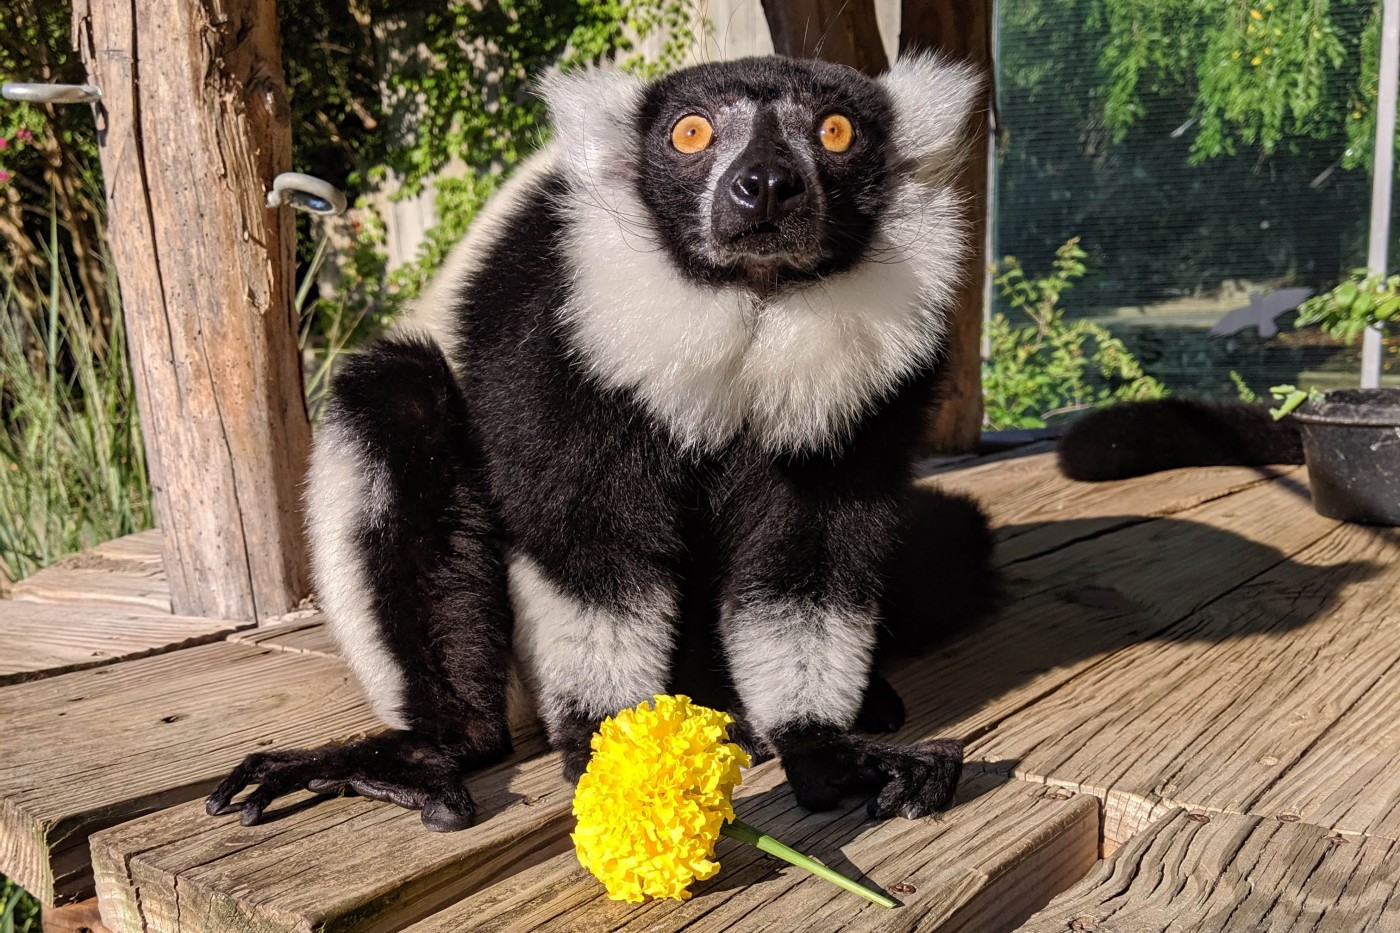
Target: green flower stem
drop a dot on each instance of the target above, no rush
(760, 840)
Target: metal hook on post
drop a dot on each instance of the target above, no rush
(306, 193)
(50, 93)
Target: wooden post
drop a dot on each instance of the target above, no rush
(844, 31)
(961, 30)
(193, 126)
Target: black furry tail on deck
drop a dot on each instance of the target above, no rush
(1136, 438)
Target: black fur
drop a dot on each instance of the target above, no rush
(512, 449)
(1136, 438)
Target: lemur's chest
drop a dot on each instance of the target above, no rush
(797, 370)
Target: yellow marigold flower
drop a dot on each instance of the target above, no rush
(1255, 14)
(655, 797)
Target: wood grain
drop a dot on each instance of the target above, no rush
(342, 864)
(1221, 873)
(41, 640)
(82, 917)
(83, 751)
(94, 579)
(993, 859)
(844, 31)
(192, 128)
(1240, 705)
(309, 636)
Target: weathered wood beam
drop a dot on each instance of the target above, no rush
(842, 31)
(961, 30)
(193, 126)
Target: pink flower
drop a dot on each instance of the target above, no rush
(25, 135)
(4, 143)
(4, 176)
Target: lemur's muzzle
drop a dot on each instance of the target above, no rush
(762, 201)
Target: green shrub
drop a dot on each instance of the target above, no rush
(1052, 367)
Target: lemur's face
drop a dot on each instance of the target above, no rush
(765, 171)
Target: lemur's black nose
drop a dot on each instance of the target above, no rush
(767, 192)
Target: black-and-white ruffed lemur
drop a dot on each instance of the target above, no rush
(651, 431)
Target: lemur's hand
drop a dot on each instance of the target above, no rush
(397, 767)
(915, 781)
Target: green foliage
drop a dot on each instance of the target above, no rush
(1103, 111)
(1290, 397)
(458, 93)
(19, 913)
(1242, 390)
(72, 468)
(1346, 311)
(1260, 70)
(1052, 366)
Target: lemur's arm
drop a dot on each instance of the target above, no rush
(810, 544)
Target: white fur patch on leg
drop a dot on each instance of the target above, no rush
(346, 491)
(584, 659)
(797, 662)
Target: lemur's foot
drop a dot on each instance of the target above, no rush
(882, 710)
(398, 767)
(916, 780)
(913, 781)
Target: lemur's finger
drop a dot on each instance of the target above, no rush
(440, 816)
(247, 771)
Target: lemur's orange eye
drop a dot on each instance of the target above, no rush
(836, 133)
(692, 133)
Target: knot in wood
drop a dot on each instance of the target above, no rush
(1084, 924)
(1288, 817)
(1198, 817)
(903, 887)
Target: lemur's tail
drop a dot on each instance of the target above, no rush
(942, 579)
(1135, 438)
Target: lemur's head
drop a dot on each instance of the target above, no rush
(763, 171)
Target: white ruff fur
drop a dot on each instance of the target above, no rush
(797, 369)
(585, 659)
(796, 662)
(345, 492)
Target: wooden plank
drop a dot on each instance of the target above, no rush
(359, 865)
(96, 579)
(44, 640)
(309, 636)
(83, 751)
(1036, 509)
(82, 917)
(1221, 873)
(1000, 853)
(144, 547)
(194, 127)
(1246, 690)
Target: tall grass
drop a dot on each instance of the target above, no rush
(19, 913)
(72, 468)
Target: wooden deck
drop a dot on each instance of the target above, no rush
(1186, 716)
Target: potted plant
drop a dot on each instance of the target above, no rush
(1351, 437)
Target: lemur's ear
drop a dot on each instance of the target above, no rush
(593, 113)
(933, 99)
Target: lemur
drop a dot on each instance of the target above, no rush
(652, 430)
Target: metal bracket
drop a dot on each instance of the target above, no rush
(50, 93)
(306, 193)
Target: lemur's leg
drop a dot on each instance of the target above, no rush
(809, 548)
(408, 567)
(595, 632)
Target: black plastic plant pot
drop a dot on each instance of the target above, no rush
(1352, 444)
